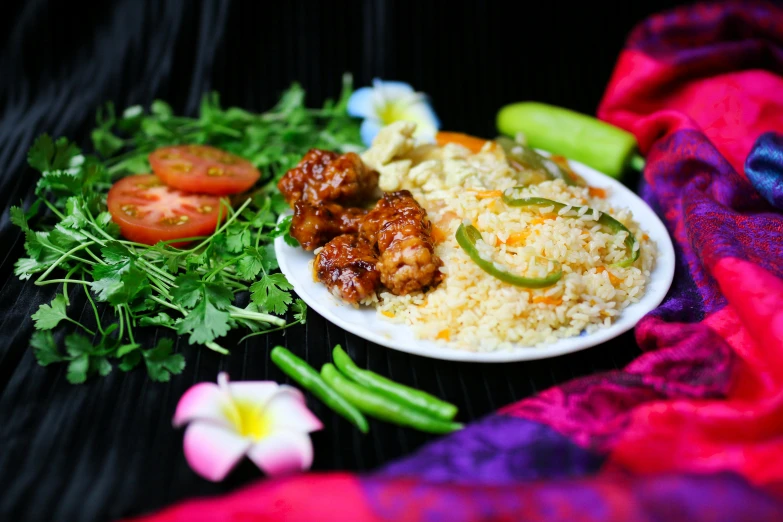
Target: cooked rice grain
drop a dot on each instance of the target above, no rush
(471, 310)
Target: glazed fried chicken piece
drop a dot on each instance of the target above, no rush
(347, 266)
(402, 233)
(315, 225)
(324, 176)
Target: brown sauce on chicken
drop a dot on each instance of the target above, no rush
(315, 225)
(402, 233)
(347, 265)
(324, 176)
(390, 246)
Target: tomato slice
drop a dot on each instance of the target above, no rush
(148, 211)
(203, 169)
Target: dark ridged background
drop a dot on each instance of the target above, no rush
(106, 449)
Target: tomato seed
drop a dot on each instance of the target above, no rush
(181, 167)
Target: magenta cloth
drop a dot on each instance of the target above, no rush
(693, 428)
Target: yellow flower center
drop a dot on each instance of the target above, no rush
(248, 420)
(392, 111)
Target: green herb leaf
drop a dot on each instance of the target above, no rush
(251, 264)
(187, 291)
(162, 319)
(47, 155)
(270, 293)
(300, 311)
(49, 316)
(19, 218)
(204, 323)
(120, 281)
(237, 238)
(126, 349)
(130, 361)
(78, 344)
(284, 229)
(45, 348)
(161, 363)
(78, 368)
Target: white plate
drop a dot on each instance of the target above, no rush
(365, 322)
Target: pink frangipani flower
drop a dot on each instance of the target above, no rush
(266, 421)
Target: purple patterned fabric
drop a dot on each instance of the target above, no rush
(764, 168)
(498, 450)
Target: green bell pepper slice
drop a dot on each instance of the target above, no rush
(468, 235)
(530, 160)
(604, 219)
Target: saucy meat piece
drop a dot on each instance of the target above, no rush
(400, 228)
(322, 176)
(347, 266)
(314, 225)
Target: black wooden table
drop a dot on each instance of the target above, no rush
(106, 449)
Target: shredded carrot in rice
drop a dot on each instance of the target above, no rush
(612, 278)
(444, 334)
(542, 219)
(388, 314)
(596, 192)
(484, 194)
(438, 235)
(547, 300)
(517, 238)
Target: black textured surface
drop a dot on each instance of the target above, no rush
(106, 449)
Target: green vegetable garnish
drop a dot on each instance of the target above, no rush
(468, 236)
(536, 167)
(383, 407)
(577, 136)
(411, 397)
(70, 238)
(309, 379)
(603, 218)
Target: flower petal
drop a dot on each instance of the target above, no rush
(257, 393)
(287, 410)
(361, 103)
(427, 122)
(392, 91)
(282, 452)
(369, 130)
(203, 401)
(213, 450)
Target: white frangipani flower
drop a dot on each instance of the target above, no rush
(264, 420)
(387, 102)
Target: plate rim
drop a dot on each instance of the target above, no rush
(563, 346)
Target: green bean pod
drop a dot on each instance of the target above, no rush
(308, 378)
(576, 136)
(382, 407)
(468, 235)
(634, 249)
(410, 397)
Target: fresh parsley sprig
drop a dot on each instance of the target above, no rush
(70, 239)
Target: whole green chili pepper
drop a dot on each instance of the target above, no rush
(382, 407)
(603, 219)
(411, 397)
(307, 377)
(468, 235)
(530, 160)
(577, 136)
